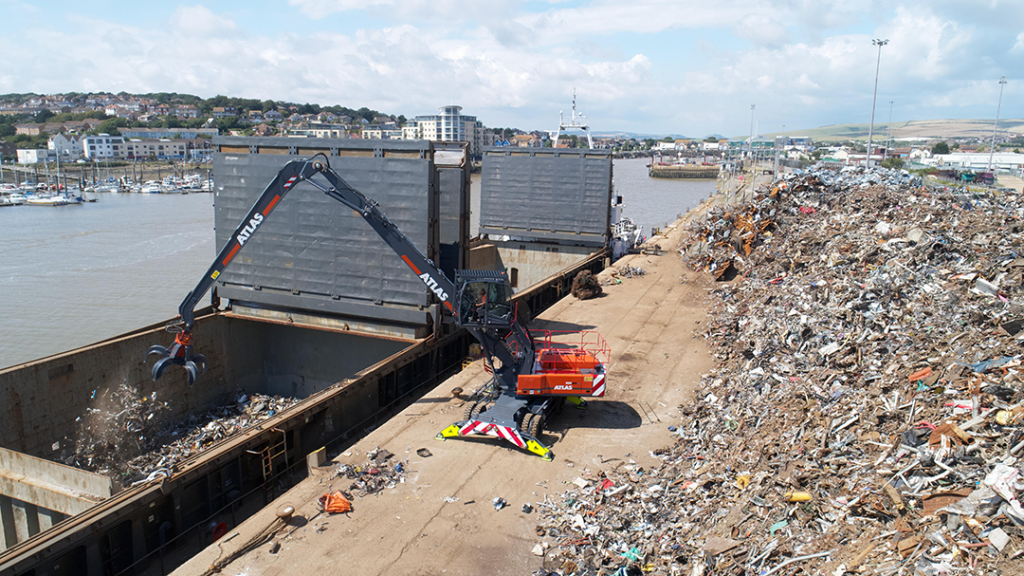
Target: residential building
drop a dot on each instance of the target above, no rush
(382, 132)
(186, 111)
(452, 126)
(524, 141)
(28, 129)
(160, 133)
(255, 115)
(36, 156)
(158, 149)
(224, 111)
(317, 130)
(162, 110)
(263, 129)
(273, 116)
(920, 154)
(103, 146)
(412, 131)
(68, 148)
(76, 126)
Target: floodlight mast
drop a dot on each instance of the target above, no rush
(1002, 82)
(871, 126)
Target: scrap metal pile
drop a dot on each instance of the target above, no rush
(866, 413)
(722, 240)
(380, 471)
(124, 440)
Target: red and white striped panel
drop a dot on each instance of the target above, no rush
(598, 389)
(489, 429)
(290, 182)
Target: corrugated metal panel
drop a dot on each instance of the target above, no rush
(547, 194)
(314, 253)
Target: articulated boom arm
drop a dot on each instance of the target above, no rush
(293, 173)
(298, 171)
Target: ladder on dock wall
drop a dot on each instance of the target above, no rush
(271, 453)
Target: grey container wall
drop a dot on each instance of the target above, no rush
(453, 181)
(315, 254)
(547, 195)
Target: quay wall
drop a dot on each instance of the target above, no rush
(694, 172)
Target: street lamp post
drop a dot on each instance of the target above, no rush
(1002, 82)
(871, 126)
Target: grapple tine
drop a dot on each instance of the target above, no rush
(200, 362)
(160, 366)
(190, 367)
(158, 349)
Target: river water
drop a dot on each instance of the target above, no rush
(73, 275)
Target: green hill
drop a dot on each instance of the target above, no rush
(914, 129)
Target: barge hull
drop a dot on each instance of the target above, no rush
(156, 526)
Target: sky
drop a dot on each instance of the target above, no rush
(641, 66)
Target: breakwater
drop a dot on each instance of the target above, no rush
(683, 171)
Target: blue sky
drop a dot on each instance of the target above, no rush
(645, 66)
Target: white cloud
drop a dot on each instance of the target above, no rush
(199, 21)
(512, 67)
(761, 29)
(405, 10)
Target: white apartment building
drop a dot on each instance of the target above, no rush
(383, 132)
(451, 125)
(29, 156)
(103, 146)
(412, 132)
(158, 149)
(318, 130)
(67, 147)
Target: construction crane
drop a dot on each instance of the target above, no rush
(530, 378)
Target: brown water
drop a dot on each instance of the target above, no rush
(73, 275)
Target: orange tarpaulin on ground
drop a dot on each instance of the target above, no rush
(335, 503)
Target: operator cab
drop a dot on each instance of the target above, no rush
(485, 299)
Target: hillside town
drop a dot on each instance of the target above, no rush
(126, 127)
(82, 128)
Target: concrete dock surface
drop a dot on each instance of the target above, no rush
(656, 363)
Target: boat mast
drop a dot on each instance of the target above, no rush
(576, 122)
